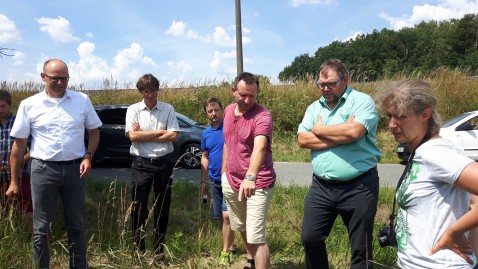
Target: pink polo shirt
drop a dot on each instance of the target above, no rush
(239, 134)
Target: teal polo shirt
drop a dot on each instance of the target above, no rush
(347, 161)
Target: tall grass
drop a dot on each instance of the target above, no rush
(455, 91)
(193, 239)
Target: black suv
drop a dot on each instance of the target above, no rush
(114, 145)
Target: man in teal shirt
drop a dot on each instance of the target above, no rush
(340, 130)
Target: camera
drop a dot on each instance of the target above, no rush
(386, 236)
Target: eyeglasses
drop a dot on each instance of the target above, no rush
(330, 85)
(56, 79)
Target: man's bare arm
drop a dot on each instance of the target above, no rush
(204, 171)
(308, 140)
(93, 141)
(248, 187)
(19, 148)
(224, 159)
(343, 133)
(159, 136)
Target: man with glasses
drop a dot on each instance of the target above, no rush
(152, 127)
(340, 130)
(56, 119)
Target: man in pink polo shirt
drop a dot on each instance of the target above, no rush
(248, 174)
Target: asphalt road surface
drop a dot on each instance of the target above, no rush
(288, 173)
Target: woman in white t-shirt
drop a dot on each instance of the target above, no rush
(433, 199)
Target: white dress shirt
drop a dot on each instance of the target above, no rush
(161, 117)
(57, 125)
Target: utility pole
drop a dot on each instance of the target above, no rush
(240, 67)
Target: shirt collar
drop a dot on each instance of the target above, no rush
(343, 97)
(218, 127)
(57, 100)
(143, 105)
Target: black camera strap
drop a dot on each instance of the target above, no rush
(406, 171)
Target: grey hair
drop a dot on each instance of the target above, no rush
(412, 95)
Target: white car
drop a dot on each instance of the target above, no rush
(461, 131)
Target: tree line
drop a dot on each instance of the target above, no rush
(420, 50)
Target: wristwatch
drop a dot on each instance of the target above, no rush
(89, 153)
(251, 178)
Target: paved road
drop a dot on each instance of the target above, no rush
(288, 173)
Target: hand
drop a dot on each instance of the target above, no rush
(203, 188)
(247, 189)
(6, 167)
(318, 123)
(457, 243)
(85, 167)
(135, 126)
(12, 191)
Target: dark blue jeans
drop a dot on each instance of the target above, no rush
(356, 202)
(50, 181)
(144, 175)
(217, 199)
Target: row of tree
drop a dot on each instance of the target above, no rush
(420, 49)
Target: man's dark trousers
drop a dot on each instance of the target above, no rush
(144, 174)
(356, 202)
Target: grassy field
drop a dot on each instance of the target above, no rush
(193, 240)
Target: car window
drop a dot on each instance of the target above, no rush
(473, 122)
(182, 124)
(454, 120)
(113, 116)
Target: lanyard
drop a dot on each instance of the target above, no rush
(406, 171)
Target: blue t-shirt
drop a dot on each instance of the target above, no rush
(212, 141)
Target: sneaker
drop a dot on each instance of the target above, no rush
(225, 258)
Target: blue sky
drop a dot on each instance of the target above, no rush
(190, 42)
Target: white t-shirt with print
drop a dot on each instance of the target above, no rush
(428, 204)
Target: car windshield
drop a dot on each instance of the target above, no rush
(186, 119)
(456, 119)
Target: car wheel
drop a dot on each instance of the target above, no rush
(191, 156)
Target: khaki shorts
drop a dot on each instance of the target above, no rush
(248, 215)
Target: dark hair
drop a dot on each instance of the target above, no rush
(336, 65)
(248, 78)
(412, 95)
(147, 81)
(212, 100)
(5, 96)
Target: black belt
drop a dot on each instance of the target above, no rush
(153, 160)
(62, 162)
(369, 172)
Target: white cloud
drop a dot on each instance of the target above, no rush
(180, 66)
(177, 28)
(353, 37)
(126, 57)
(445, 10)
(58, 29)
(178, 71)
(89, 66)
(149, 61)
(219, 37)
(8, 30)
(89, 35)
(18, 57)
(296, 3)
(219, 57)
